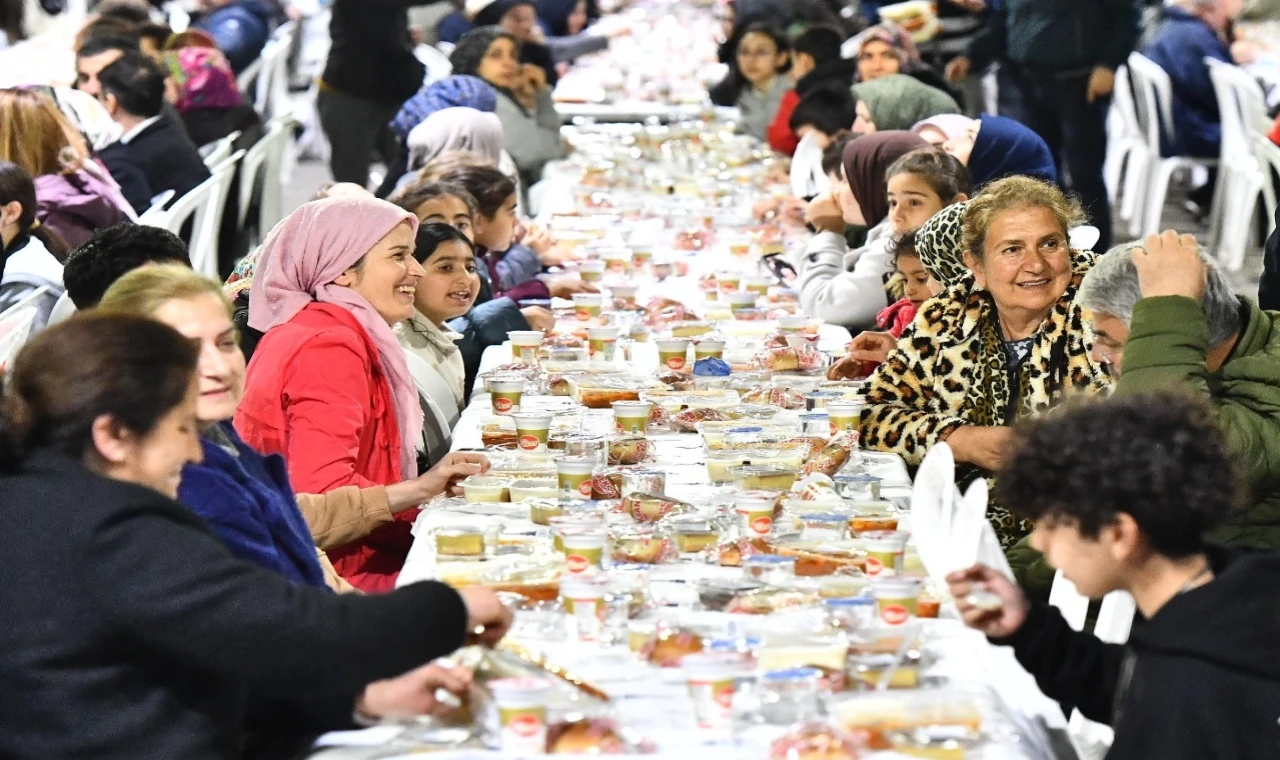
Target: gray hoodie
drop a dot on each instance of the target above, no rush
(841, 286)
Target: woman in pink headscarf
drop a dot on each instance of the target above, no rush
(206, 96)
(328, 386)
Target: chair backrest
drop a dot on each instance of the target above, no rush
(807, 177)
(1122, 104)
(437, 63)
(261, 167)
(1234, 113)
(28, 300)
(62, 310)
(272, 88)
(1153, 99)
(158, 203)
(217, 151)
(15, 328)
(204, 204)
(247, 80)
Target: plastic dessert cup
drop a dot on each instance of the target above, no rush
(532, 430)
(525, 344)
(522, 714)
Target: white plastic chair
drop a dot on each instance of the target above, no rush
(25, 302)
(158, 203)
(271, 87)
(217, 151)
(205, 204)
(262, 164)
(807, 177)
(62, 310)
(1243, 178)
(1125, 170)
(437, 63)
(15, 328)
(1153, 95)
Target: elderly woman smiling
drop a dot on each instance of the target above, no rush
(1003, 342)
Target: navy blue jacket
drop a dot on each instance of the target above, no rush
(248, 502)
(1180, 45)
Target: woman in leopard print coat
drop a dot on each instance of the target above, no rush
(1004, 340)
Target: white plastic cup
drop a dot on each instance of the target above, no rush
(885, 551)
(756, 510)
(583, 600)
(525, 344)
(673, 353)
(602, 342)
(505, 395)
(532, 430)
(522, 714)
(591, 271)
(584, 549)
(574, 477)
(712, 681)
(586, 306)
(896, 599)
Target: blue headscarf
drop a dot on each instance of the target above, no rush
(1004, 148)
(554, 16)
(457, 91)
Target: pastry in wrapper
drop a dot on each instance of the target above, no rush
(676, 381)
(731, 553)
(628, 450)
(499, 438)
(784, 398)
(811, 444)
(640, 547)
(566, 340)
(833, 456)
(607, 483)
(687, 421)
(651, 507)
(818, 561)
(816, 741)
(669, 645)
(790, 359)
(587, 736)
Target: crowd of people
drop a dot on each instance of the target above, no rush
(210, 485)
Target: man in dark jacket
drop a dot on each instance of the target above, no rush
(1191, 31)
(1122, 492)
(153, 142)
(1057, 68)
(370, 73)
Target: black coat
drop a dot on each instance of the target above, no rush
(1269, 283)
(130, 631)
(164, 156)
(1198, 681)
(372, 55)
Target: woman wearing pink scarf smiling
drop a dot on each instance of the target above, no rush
(328, 386)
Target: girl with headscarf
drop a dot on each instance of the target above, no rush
(207, 98)
(839, 286)
(995, 147)
(455, 129)
(937, 130)
(531, 136)
(455, 91)
(897, 101)
(328, 387)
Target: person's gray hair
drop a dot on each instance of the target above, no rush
(1111, 287)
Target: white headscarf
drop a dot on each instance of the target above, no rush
(454, 129)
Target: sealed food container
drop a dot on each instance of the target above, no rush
(462, 541)
(692, 535)
(896, 599)
(533, 429)
(793, 323)
(640, 545)
(540, 488)
(844, 414)
(542, 511)
(624, 295)
(481, 489)
(653, 482)
(591, 271)
(587, 445)
(767, 477)
(562, 522)
(690, 329)
(885, 716)
(716, 594)
(756, 510)
(853, 613)
(632, 417)
(885, 550)
(602, 343)
(574, 476)
(803, 650)
(858, 486)
(771, 569)
(757, 285)
(728, 282)
(740, 300)
(708, 349)
(586, 306)
(504, 393)
(525, 344)
(583, 600)
(790, 695)
(817, 401)
(873, 516)
(712, 680)
(583, 549)
(824, 526)
(721, 463)
(522, 714)
(816, 423)
(673, 353)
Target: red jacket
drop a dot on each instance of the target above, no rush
(781, 138)
(316, 394)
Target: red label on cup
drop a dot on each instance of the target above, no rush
(762, 524)
(874, 566)
(724, 696)
(583, 315)
(584, 488)
(525, 726)
(894, 614)
(576, 563)
(676, 362)
(502, 404)
(529, 442)
(834, 430)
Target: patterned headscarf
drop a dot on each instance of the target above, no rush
(204, 79)
(897, 38)
(459, 91)
(940, 246)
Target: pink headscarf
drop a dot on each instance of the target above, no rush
(204, 79)
(302, 257)
(953, 125)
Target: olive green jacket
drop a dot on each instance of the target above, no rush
(1168, 341)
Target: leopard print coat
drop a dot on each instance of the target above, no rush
(949, 368)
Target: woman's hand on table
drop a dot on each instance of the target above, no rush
(414, 693)
(539, 318)
(985, 447)
(868, 348)
(565, 287)
(976, 591)
(454, 468)
(488, 619)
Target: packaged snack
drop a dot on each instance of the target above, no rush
(669, 645)
(687, 421)
(833, 456)
(783, 398)
(816, 741)
(628, 449)
(650, 507)
(810, 444)
(790, 359)
(641, 546)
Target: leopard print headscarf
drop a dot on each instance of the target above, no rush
(940, 246)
